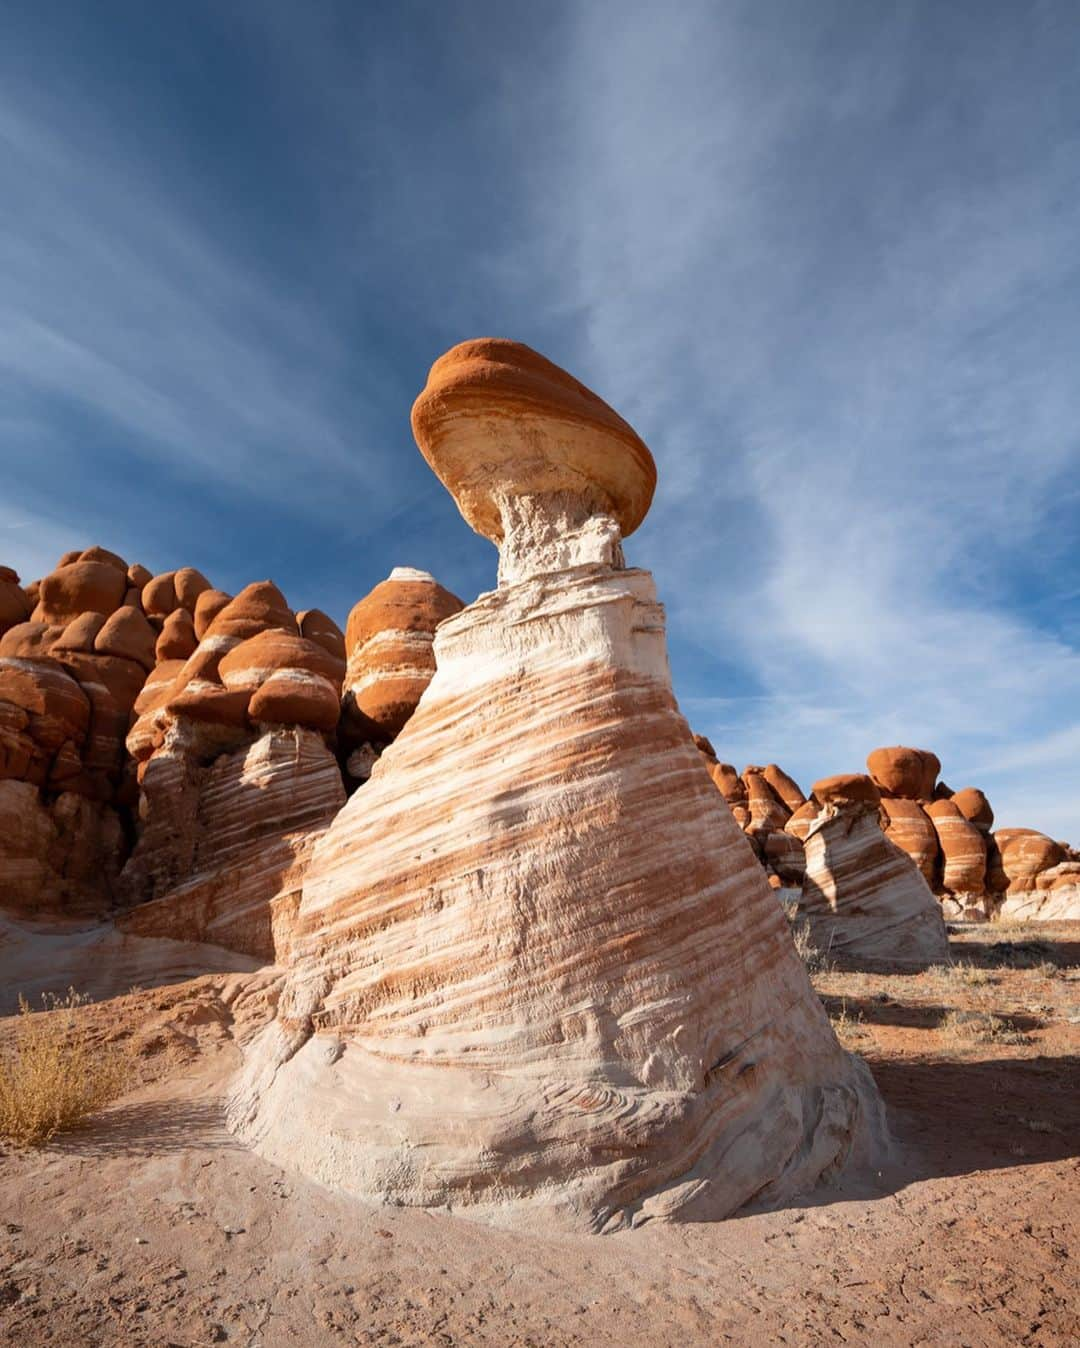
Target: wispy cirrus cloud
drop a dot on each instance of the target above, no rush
(824, 259)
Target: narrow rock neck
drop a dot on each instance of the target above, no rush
(555, 531)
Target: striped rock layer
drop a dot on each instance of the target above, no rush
(536, 961)
(224, 842)
(863, 897)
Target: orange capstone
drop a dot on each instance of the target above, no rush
(975, 808)
(257, 608)
(208, 605)
(848, 788)
(496, 420)
(127, 633)
(899, 771)
(78, 587)
(319, 627)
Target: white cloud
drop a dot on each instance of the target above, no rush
(863, 406)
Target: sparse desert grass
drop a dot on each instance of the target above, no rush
(1023, 955)
(816, 960)
(52, 1075)
(849, 1028)
(966, 1029)
(970, 975)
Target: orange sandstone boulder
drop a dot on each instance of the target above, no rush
(1024, 853)
(159, 595)
(78, 587)
(846, 789)
(501, 424)
(784, 786)
(975, 808)
(910, 773)
(30, 641)
(41, 710)
(138, 576)
(208, 605)
(319, 627)
(257, 608)
(177, 639)
(15, 607)
(80, 634)
(96, 554)
(188, 584)
(768, 813)
(127, 633)
(799, 823)
(289, 680)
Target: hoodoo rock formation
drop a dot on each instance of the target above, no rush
(237, 773)
(863, 898)
(74, 654)
(946, 834)
(391, 658)
(535, 960)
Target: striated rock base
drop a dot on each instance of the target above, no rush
(536, 961)
(1054, 897)
(225, 840)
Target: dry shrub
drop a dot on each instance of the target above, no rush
(52, 1075)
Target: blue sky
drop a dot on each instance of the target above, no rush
(825, 258)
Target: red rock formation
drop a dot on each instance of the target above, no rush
(1019, 859)
(535, 961)
(237, 771)
(15, 606)
(785, 787)
(963, 850)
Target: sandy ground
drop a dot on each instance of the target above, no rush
(153, 1226)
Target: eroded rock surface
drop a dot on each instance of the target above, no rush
(535, 959)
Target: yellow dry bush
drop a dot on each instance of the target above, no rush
(52, 1075)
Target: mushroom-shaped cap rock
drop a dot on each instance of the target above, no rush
(497, 419)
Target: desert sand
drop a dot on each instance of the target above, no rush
(153, 1225)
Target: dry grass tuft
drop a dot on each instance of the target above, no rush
(849, 1029)
(52, 1075)
(967, 1028)
(970, 975)
(816, 960)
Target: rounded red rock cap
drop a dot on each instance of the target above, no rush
(497, 417)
